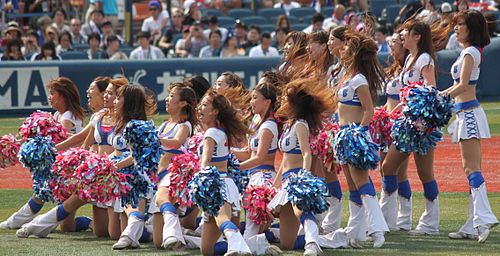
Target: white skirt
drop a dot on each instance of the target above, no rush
(116, 205)
(469, 123)
(259, 178)
(280, 199)
(232, 197)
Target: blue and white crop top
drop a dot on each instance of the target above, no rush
(272, 126)
(393, 88)
(289, 142)
(118, 141)
(221, 150)
(414, 74)
(170, 134)
(456, 68)
(102, 136)
(347, 91)
(77, 124)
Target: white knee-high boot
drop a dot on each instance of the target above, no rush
(483, 215)
(331, 221)
(24, 215)
(42, 225)
(356, 225)
(235, 241)
(404, 220)
(388, 206)
(468, 227)
(172, 229)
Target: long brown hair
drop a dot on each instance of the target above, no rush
(338, 32)
(69, 92)
(188, 95)
(319, 67)
(137, 104)
(270, 92)
(299, 39)
(440, 32)
(425, 44)
(477, 26)
(236, 92)
(397, 64)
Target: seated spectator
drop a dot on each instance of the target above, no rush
(109, 9)
(59, 17)
(225, 5)
(76, 36)
(253, 37)
(240, 31)
(195, 40)
(94, 51)
(428, 15)
(319, 4)
(264, 49)
(316, 24)
(10, 6)
(337, 18)
(146, 51)
(168, 40)
(12, 51)
(280, 38)
(212, 26)
(107, 31)
(35, 6)
(113, 49)
(96, 18)
(65, 43)
(283, 22)
(230, 48)
(12, 32)
(287, 5)
(352, 20)
(43, 22)
(381, 39)
(47, 52)
(192, 12)
(180, 45)
(214, 47)
(30, 44)
(52, 35)
(157, 21)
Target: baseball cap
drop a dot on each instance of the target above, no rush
(446, 8)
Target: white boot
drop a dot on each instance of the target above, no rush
(16, 220)
(404, 220)
(41, 226)
(484, 219)
(236, 245)
(331, 222)
(467, 231)
(259, 245)
(388, 205)
(356, 226)
(376, 222)
(251, 229)
(130, 236)
(173, 239)
(429, 221)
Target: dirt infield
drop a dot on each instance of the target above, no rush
(448, 169)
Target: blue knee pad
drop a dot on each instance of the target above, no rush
(138, 215)
(275, 225)
(367, 189)
(145, 236)
(35, 208)
(82, 223)
(300, 243)
(168, 207)
(227, 225)
(334, 189)
(306, 216)
(390, 183)
(355, 197)
(61, 213)
(220, 248)
(270, 236)
(431, 190)
(198, 221)
(404, 189)
(475, 179)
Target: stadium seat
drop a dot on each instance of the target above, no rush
(239, 13)
(142, 11)
(303, 11)
(74, 55)
(292, 19)
(80, 47)
(225, 22)
(254, 20)
(327, 11)
(307, 19)
(376, 6)
(299, 26)
(270, 12)
(488, 80)
(444, 60)
(267, 28)
(214, 12)
(392, 12)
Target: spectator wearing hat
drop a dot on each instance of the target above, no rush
(180, 45)
(12, 51)
(94, 51)
(192, 12)
(65, 43)
(146, 51)
(253, 37)
(230, 48)
(113, 50)
(195, 40)
(157, 21)
(428, 15)
(107, 31)
(92, 26)
(316, 24)
(240, 32)
(47, 52)
(59, 17)
(287, 5)
(12, 32)
(30, 46)
(76, 36)
(212, 26)
(264, 49)
(213, 49)
(173, 33)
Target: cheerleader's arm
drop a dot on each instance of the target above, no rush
(179, 139)
(461, 87)
(208, 149)
(75, 140)
(265, 140)
(366, 104)
(303, 137)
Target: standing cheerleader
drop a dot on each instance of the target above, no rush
(363, 78)
(471, 124)
(65, 99)
(222, 126)
(174, 135)
(396, 219)
(231, 86)
(336, 41)
(303, 102)
(418, 70)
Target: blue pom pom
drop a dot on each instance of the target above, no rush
(307, 192)
(411, 136)
(354, 146)
(39, 154)
(207, 190)
(427, 105)
(139, 185)
(240, 178)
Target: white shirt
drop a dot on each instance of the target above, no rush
(153, 53)
(258, 52)
(287, 7)
(223, 32)
(150, 25)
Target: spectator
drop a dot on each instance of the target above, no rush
(173, 33)
(287, 5)
(317, 24)
(214, 47)
(94, 52)
(319, 4)
(492, 21)
(52, 34)
(240, 31)
(43, 22)
(429, 15)
(13, 32)
(280, 38)
(113, 49)
(337, 18)
(195, 40)
(381, 39)
(253, 37)
(283, 22)
(109, 10)
(266, 3)
(36, 6)
(11, 6)
(48, 52)
(351, 20)
(192, 12)
(96, 18)
(145, 51)
(107, 31)
(157, 21)
(12, 51)
(30, 44)
(264, 49)
(231, 47)
(462, 5)
(212, 26)
(59, 17)
(180, 45)
(65, 43)
(76, 36)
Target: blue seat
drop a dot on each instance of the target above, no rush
(327, 11)
(292, 19)
(270, 12)
(267, 28)
(393, 12)
(307, 19)
(376, 6)
(225, 22)
(74, 55)
(444, 60)
(299, 26)
(214, 12)
(303, 11)
(80, 47)
(254, 20)
(239, 13)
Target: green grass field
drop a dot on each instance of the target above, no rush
(453, 214)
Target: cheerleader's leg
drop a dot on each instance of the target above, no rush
(483, 219)
(130, 236)
(173, 238)
(404, 220)
(331, 222)
(100, 221)
(389, 200)
(467, 231)
(235, 241)
(24, 215)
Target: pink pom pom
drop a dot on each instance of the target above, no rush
(321, 144)
(100, 181)
(380, 127)
(180, 171)
(255, 203)
(65, 182)
(44, 124)
(405, 91)
(9, 147)
(195, 141)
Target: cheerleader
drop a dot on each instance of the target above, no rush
(231, 86)
(419, 70)
(356, 93)
(199, 84)
(304, 101)
(402, 218)
(336, 41)
(174, 135)
(222, 127)
(294, 55)
(471, 124)
(65, 99)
